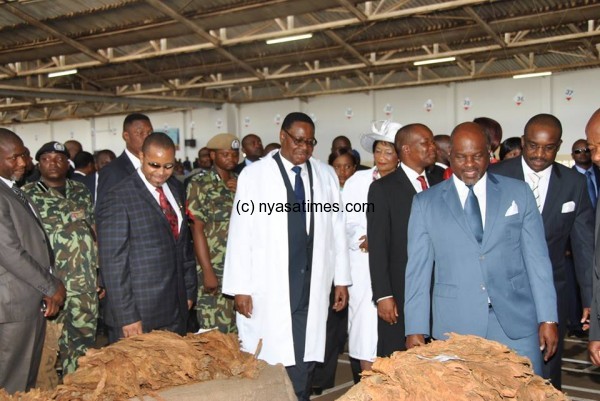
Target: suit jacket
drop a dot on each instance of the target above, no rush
(387, 223)
(238, 169)
(24, 260)
(510, 267)
(567, 187)
(89, 181)
(112, 174)
(595, 313)
(148, 275)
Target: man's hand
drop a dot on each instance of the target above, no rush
(364, 245)
(190, 303)
(210, 283)
(57, 300)
(340, 297)
(231, 184)
(243, 304)
(585, 319)
(387, 310)
(132, 329)
(101, 291)
(415, 340)
(594, 351)
(548, 335)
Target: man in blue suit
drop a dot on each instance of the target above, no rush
(493, 276)
(147, 261)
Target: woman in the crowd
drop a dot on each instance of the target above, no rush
(344, 163)
(362, 312)
(510, 148)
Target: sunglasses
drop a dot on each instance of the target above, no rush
(581, 150)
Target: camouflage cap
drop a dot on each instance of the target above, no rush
(52, 147)
(223, 142)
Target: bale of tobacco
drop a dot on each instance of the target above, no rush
(461, 368)
(144, 364)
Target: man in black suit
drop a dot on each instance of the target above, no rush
(25, 274)
(253, 149)
(592, 132)
(583, 164)
(136, 128)
(387, 225)
(148, 266)
(562, 198)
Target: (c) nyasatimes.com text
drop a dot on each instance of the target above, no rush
(251, 207)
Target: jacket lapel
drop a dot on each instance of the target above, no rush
(492, 206)
(553, 194)
(147, 197)
(452, 201)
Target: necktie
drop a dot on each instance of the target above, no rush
(299, 188)
(591, 188)
(21, 196)
(535, 187)
(473, 214)
(168, 211)
(421, 179)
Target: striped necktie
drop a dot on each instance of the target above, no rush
(535, 187)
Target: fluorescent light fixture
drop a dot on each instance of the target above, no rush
(434, 61)
(62, 73)
(289, 38)
(532, 75)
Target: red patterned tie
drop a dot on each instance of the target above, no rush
(168, 211)
(421, 179)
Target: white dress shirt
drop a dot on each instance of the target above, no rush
(479, 189)
(168, 194)
(413, 177)
(542, 185)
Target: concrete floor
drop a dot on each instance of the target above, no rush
(581, 380)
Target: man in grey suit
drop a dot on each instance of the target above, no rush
(562, 199)
(493, 276)
(147, 260)
(136, 127)
(26, 281)
(592, 132)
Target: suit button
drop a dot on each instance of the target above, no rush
(481, 257)
(482, 287)
(302, 271)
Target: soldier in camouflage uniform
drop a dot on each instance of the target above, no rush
(210, 201)
(67, 213)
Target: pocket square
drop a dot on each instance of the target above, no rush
(568, 207)
(512, 210)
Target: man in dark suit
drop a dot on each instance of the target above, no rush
(481, 237)
(592, 132)
(387, 222)
(562, 198)
(136, 128)
(583, 164)
(25, 274)
(253, 150)
(148, 266)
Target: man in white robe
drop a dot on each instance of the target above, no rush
(278, 302)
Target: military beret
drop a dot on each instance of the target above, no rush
(51, 147)
(223, 142)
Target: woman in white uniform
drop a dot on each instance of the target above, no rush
(362, 312)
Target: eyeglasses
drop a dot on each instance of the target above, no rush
(311, 143)
(534, 147)
(156, 166)
(581, 150)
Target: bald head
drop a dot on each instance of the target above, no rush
(592, 133)
(469, 152)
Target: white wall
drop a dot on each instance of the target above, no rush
(352, 114)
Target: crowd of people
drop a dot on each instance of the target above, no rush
(449, 239)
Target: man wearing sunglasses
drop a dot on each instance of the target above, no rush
(146, 257)
(562, 199)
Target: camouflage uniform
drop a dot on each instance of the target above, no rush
(68, 222)
(210, 201)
